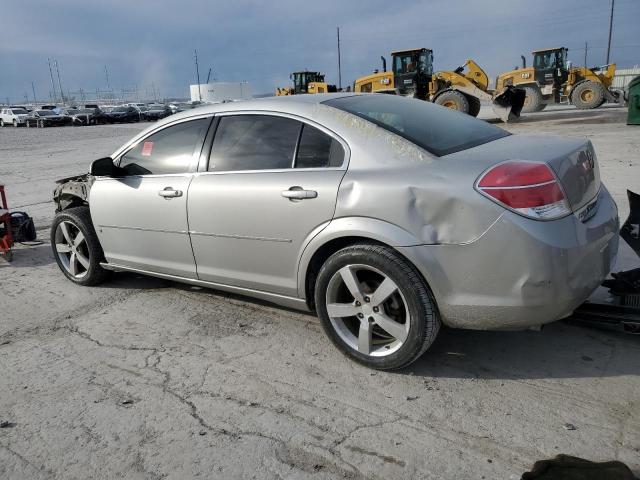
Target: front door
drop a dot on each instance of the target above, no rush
(141, 217)
(271, 184)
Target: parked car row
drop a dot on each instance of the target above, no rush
(53, 115)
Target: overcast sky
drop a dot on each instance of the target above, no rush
(143, 41)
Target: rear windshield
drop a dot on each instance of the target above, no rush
(437, 129)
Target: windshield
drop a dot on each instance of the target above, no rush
(86, 110)
(120, 109)
(438, 130)
(19, 111)
(45, 113)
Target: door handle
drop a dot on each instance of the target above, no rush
(298, 193)
(169, 192)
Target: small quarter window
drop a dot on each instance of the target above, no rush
(318, 150)
(171, 150)
(254, 142)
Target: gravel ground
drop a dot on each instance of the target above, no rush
(146, 379)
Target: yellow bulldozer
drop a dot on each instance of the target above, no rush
(552, 79)
(306, 82)
(462, 89)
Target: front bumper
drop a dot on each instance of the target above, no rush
(521, 272)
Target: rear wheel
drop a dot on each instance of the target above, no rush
(588, 95)
(375, 307)
(533, 99)
(76, 247)
(454, 100)
(474, 105)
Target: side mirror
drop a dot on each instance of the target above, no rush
(103, 167)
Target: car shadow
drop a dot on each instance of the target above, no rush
(559, 350)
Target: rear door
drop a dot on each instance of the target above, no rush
(270, 184)
(141, 217)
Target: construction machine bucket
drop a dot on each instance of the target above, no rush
(630, 231)
(508, 103)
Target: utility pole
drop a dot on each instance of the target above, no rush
(53, 84)
(339, 62)
(195, 54)
(208, 76)
(586, 47)
(59, 83)
(33, 89)
(610, 30)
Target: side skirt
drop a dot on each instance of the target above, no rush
(283, 300)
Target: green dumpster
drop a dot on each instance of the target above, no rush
(633, 118)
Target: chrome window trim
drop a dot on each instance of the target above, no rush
(304, 120)
(154, 175)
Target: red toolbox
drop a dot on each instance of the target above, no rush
(6, 240)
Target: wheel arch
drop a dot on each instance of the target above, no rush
(339, 234)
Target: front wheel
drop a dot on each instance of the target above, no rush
(375, 307)
(76, 247)
(533, 101)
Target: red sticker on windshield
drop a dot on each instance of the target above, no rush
(146, 149)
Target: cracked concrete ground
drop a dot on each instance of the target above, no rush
(146, 379)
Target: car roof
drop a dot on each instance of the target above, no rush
(265, 103)
(290, 104)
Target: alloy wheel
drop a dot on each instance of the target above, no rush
(367, 310)
(72, 249)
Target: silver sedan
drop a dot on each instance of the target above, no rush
(385, 215)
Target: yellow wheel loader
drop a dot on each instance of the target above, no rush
(306, 82)
(551, 79)
(461, 89)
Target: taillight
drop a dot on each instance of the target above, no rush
(528, 188)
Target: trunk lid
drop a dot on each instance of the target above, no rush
(573, 160)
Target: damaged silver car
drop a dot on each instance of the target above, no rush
(387, 216)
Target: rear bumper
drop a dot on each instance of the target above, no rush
(521, 272)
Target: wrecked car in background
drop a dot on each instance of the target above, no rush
(385, 215)
(156, 112)
(46, 118)
(122, 114)
(88, 116)
(13, 116)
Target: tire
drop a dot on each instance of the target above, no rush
(80, 263)
(533, 99)
(1, 123)
(454, 100)
(588, 95)
(410, 308)
(474, 105)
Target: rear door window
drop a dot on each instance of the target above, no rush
(171, 150)
(254, 142)
(318, 150)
